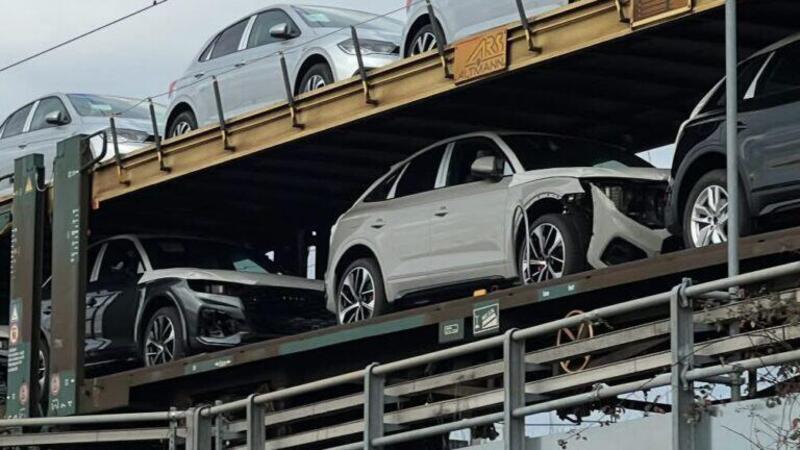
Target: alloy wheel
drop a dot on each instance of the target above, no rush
(710, 217)
(314, 82)
(357, 296)
(181, 128)
(424, 42)
(543, 259)
(159, 347)
(42, 375)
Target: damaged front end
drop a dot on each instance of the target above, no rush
(627, 217)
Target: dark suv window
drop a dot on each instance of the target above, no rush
(266, 20)
(420, 175)
(465, 153)
(16, 123)
(121, 260)
(783, 72)
(46, 106)
(381, 191)
(228, 40)
(747, 72)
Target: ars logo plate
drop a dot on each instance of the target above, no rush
(480, 56)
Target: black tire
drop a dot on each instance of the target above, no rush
(317, 76)
(149, 351)
(44, 376)
(424, 34)
(182, 124)
(718, 178)
(572, 252)
(378, 300)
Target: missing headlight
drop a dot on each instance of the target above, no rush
(216, 324)
(640, 200)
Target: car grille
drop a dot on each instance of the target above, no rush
(275, 310)
(643, 201)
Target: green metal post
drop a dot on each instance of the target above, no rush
(26, 288)
(70, 223)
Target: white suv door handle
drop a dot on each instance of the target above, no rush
(378, 224)
(442, 212)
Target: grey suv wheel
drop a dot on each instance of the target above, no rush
(360, 295)
(705, 216)
(556, 249)
(163, 338)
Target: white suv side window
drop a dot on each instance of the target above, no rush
(420, 173)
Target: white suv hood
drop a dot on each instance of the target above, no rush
(632, 173)
(231, 276)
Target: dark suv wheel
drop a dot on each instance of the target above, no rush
(162, 340)
(705, 215)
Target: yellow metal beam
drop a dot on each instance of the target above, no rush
(575, 27)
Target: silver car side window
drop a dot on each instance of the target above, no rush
(45, 107)
(260, 32)
(229, 40)
(15, 124)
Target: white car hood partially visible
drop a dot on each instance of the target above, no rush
(231, 276)
(631, 173)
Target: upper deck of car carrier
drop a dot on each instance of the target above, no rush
(600, 69)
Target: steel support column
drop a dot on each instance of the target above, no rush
(70, 231)
(26, 287)
(682, 349)
(198, 430)
(256, 436)
(373, 406)
(514, 391)
(732, 137)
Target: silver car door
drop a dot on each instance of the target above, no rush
(404, 246)
(261, 76)
(43, 137)
(222, 63)
(468, 234)
(13, 142)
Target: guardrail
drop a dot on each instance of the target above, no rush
(203, 425)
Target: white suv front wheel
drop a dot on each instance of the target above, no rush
(360, 294)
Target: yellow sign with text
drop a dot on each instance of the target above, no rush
(480, 56)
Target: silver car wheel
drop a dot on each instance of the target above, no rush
(159, 345)
(710, 217)
(42, 372)
(314, 82)
(357, 296)
(424, 42)
(181, 128)
(543, 259)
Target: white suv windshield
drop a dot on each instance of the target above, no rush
(537, 152)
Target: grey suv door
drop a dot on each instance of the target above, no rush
(468, 232)
(404, 240)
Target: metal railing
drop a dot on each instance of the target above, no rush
(204, 424)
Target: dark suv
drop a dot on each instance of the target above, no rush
(769, 150)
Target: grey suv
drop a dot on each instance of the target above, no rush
(315, 40)
(451, 216)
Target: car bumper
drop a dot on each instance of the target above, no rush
(611, 228)
(345, 65)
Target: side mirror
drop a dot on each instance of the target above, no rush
(56, 118)
(281, 31)
(488, 167)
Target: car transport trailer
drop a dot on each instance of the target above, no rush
(607, 70)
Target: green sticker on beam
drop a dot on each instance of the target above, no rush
(352, 334)
(451, 331)
(559, 291)
(206, 366)
(485, 318)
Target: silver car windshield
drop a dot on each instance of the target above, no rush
(537, 152)
(170, 253)
(89, 105)
(321, 17)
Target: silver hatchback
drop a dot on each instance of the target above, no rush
(450, 219)
(38, 126)
(317, 45)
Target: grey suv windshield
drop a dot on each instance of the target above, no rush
(174, 253)
(321, 17)
(537, 152)
(104, 106)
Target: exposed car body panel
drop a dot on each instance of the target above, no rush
(230, 276)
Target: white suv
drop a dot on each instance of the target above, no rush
(451, 216)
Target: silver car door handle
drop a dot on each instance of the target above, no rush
(240, 64)
(378, 224)
(442, 212)
(199, 75)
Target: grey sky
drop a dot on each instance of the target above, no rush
(136, 58)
